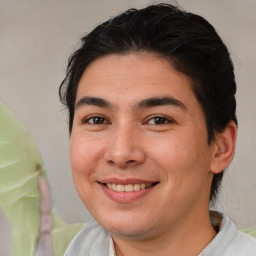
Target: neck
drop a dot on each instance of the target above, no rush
(187, 238)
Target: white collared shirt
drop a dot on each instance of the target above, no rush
(111, 248)
(93, 240)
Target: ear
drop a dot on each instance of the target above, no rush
(224, 148)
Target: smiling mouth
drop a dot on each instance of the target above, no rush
(128, 187)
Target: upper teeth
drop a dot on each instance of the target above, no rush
(126, 188)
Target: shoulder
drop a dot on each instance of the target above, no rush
(242, 244)
(92, 240)
(229, 241)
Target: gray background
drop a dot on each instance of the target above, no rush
(36, 38)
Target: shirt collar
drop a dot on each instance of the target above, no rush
(111, 248)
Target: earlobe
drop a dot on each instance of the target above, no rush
(224, 148)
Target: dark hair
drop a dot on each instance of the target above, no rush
(187, 40)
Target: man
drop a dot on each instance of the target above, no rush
(151, 100)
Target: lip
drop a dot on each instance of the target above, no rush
(126, 197)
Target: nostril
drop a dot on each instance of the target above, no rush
(131, 161)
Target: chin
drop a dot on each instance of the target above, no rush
(126, 227)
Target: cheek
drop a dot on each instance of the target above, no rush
(181, 158)
(82, 160)
(173, 151)
(185, 170)
(84, 154)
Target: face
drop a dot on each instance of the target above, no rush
(139, 152)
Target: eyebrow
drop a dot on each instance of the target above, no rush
(160, 101)
(93, 101)
(146, 103)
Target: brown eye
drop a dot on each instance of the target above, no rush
(158, 120)
(96, 120)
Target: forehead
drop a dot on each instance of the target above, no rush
(134, 76)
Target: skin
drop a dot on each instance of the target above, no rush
(128, 143)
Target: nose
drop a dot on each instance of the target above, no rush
(125, 148)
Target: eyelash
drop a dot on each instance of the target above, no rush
(163, 120)
(99, 120)
(94, 118)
